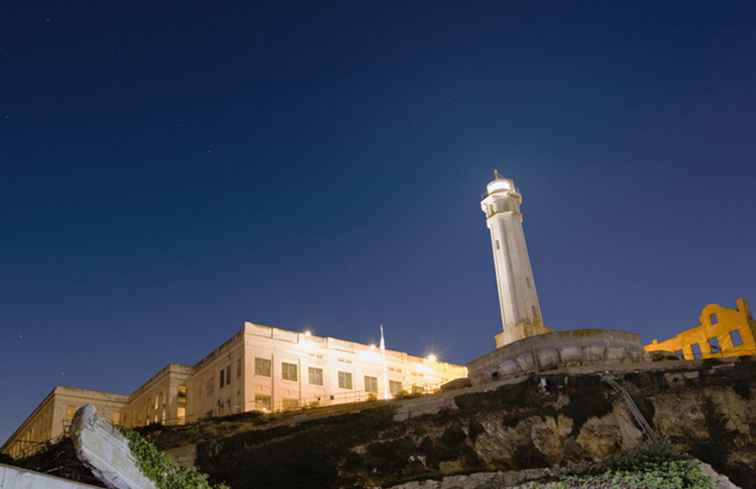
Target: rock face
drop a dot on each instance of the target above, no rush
(106, 452)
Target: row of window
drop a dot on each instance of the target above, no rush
(695, 348)
(265, 401)
(290, 371)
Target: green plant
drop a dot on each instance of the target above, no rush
(163, 471)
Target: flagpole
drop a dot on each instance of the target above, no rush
(386, 393)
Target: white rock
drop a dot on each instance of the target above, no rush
(103, 449)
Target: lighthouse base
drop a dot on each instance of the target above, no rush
(520, 332)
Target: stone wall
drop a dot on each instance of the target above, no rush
(556, 350)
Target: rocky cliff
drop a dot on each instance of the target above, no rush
(540, 421)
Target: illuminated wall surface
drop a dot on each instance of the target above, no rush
(259, 368)
(721, 332)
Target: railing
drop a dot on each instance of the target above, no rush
(635, 412)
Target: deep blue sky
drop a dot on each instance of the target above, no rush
(171, 169)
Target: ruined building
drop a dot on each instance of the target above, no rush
(721, 332)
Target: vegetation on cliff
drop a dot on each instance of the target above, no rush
(164, 472)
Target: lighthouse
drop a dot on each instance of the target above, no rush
(518, 298)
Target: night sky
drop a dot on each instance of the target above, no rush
(171, 169)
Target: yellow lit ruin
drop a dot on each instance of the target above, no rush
(721, 332)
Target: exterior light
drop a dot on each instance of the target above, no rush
(372, 346)
(307, 332)
(432, 358)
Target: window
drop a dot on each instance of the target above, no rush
(70, 412)
(696, 349)
(228, 374)
(345, 380)
(289, 404)
(713, 319)
(238, 368)
(316, 375)
(262, 367)
(371, 384)
(395, 387)
(222, 377)
(714, 345)
(527, 281)
(735, 337)
(263, 402)
(679, 354)
(289, 371)
(497, 245)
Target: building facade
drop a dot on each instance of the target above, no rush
(260, 368)
(521, 315)
(721, 332)
(51, 419)
(271, 369)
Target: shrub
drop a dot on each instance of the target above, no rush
(163, 471)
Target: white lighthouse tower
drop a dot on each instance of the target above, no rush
(520, 309)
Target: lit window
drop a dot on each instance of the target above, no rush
(714, 345)
(395, 387)
(735, 337)
(345, 380)
(696, 349)
(371, 384)
(70, 412)
(263, 402)
(262, 367)
(289, 371)
(315, 375)
(713, 319)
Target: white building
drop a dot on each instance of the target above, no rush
(518, 299)
(272, 369)
(260, 368)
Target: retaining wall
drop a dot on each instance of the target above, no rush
(557, 350)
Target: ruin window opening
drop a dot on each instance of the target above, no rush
(736, 338)
(713, 318)
(714, 345)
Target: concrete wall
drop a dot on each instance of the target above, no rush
(17, 478)
(556, 350)
(718, 322)
(206, 397)
(161, 399)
